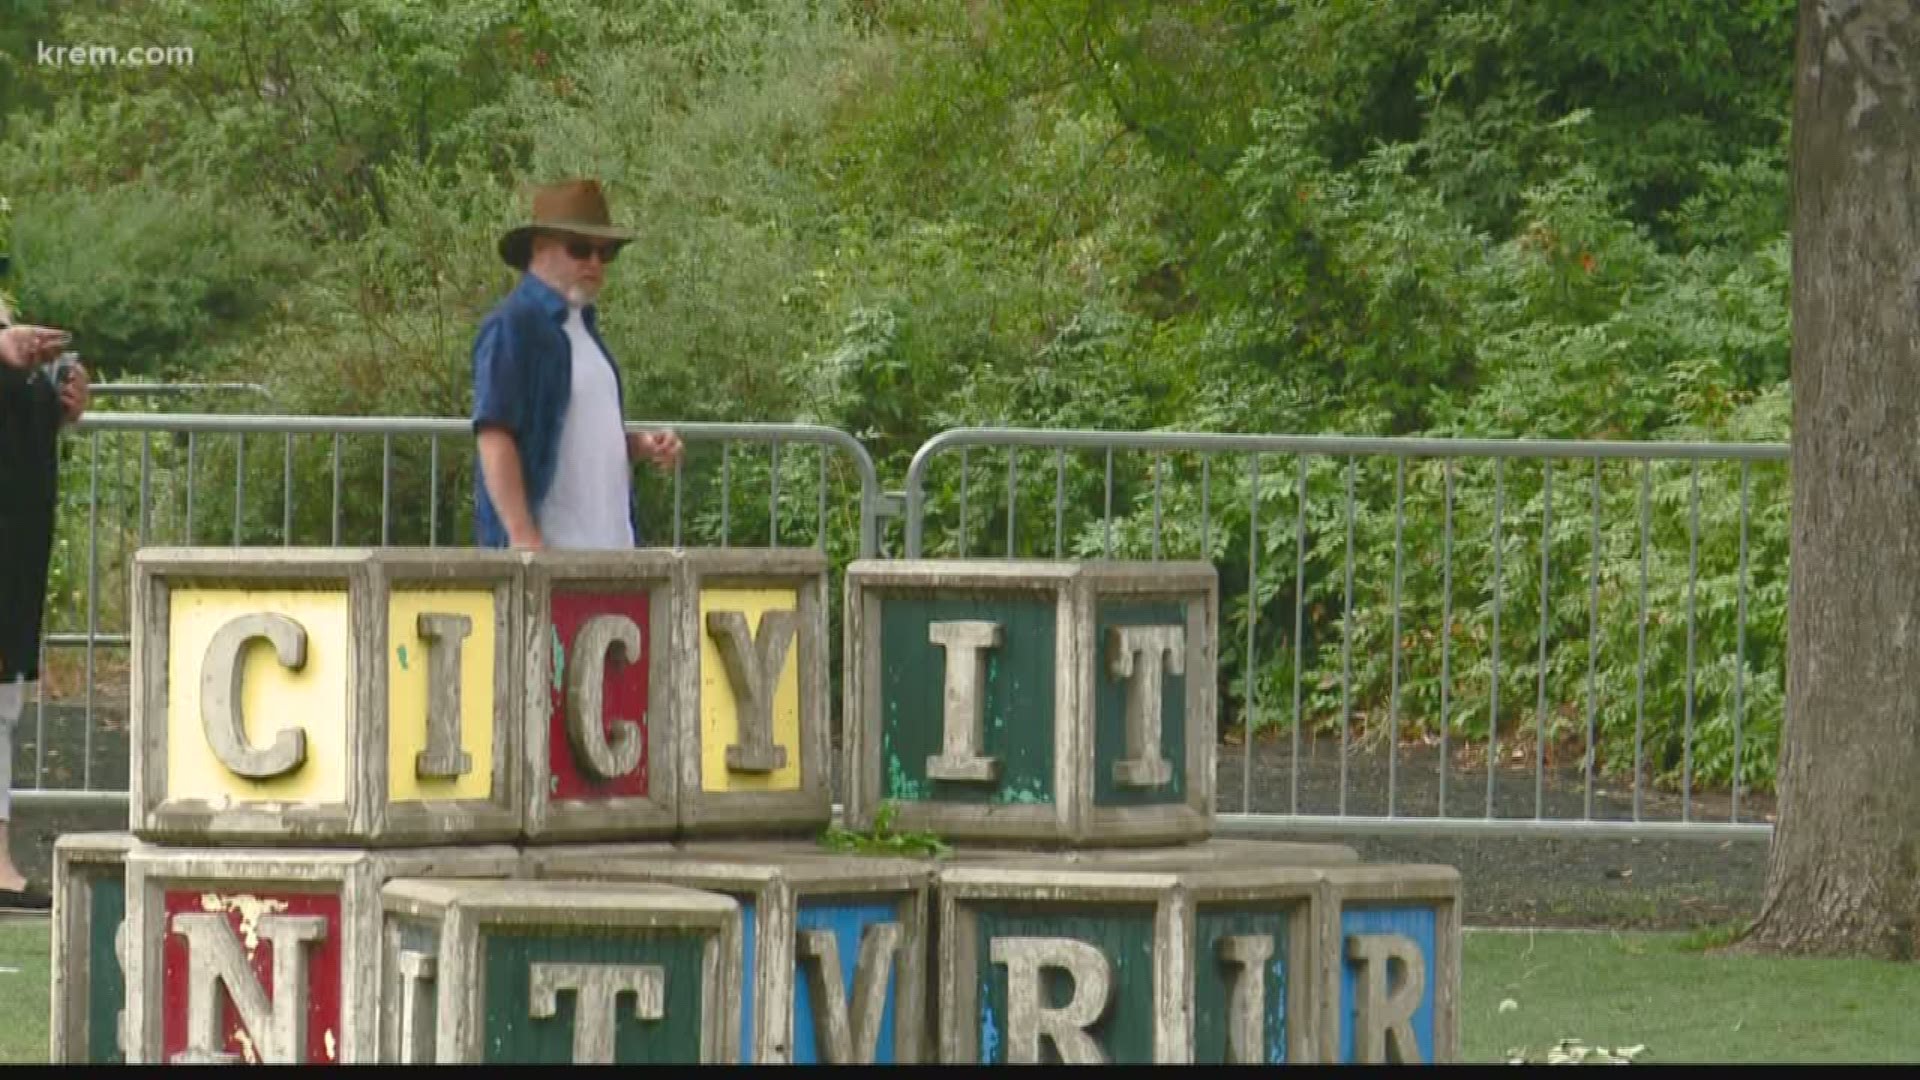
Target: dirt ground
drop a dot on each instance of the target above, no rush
(1508, 881)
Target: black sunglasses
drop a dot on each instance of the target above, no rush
(581, 250)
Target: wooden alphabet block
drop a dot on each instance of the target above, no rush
(751, 676)
(602, 722)
(1131, 963)
(1037, 701)
(1390, 950)
(835, 953)
(558, 971)
(326, 696)
(89, 981)
(265, 956)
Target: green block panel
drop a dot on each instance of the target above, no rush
(1110, 712)
(1018, 719)
(106, 983)
(1214, 980)
(1124, 933)
(514, 1035)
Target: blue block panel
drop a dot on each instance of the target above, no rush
(848, 919)
(1417, 924)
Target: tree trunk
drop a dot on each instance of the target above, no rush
(1844, 872)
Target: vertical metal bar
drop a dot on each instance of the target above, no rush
(336, 489)
(93, 601)
(286, 492)
(1693, 580)
(386, 490)
(1106, 546)
(146, 485)
(773, 493)
(1446, 631)
(1393, 695)
(679, 479)
(1059, 498)
(1346, 650)
(726, 492)
(964, 470)
(1640, 672)
(192, 467)
(1493, 698)
(1299, 625)
(1206, 507)
(239, 482)
(1740, 645)
(1158, 461)
(433, 491)
(820, 510)
(1546, 609)
(1252, 669)
(1013, 488)
(1593, 637)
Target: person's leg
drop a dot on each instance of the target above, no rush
(12, 700)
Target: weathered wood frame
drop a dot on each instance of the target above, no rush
(868, 584)
(658, 812)
(962, 889)
(355, 876)
(367, 577)
(1194, 586)
(779, 877)
(810, 807)
(1437, 887)
(80, 860)
(464, 910)
(1077, 590)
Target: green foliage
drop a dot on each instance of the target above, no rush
(883, 840)
(1461, 220)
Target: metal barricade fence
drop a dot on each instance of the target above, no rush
(129, 480)
(1609, 658)
(1318, 598)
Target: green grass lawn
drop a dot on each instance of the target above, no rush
(1655, 990)
(26, 957)
(1662, 992)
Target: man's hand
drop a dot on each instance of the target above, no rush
(23, 347)
(661, 447)
(75, 393)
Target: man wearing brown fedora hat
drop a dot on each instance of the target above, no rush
(547, 400)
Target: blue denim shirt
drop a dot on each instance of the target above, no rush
(522, 381)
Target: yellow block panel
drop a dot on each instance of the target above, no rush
(314, 698)
(719, 712)
(407, 694)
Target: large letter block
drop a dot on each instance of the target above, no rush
(562, 972)
(836, 948)
(89, 911)
(1128, 964)
(1033, 700)
(1390, 950)
(601, 724)
(265, 956)
(326, 697)
(751, 670)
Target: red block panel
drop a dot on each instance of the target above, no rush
(624, 693)
(241, 908)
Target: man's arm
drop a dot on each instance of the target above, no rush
(507, 486)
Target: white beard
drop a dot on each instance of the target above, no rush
(581, 296)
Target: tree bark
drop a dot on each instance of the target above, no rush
(1843, 876)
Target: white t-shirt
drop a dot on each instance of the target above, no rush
(588, 504)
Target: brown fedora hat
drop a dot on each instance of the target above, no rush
(570, 206)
